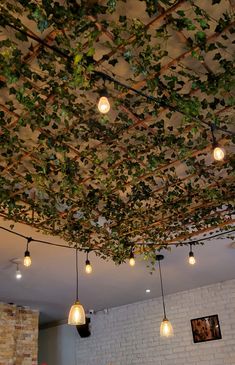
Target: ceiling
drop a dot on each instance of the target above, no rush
(49, 284)
(143, 173)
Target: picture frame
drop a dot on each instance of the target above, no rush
(206, 329)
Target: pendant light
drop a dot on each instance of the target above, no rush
(218, 152)
(191, 257)
(132, 258)
(27, 258)
(166, 329)
(88, 267)
(77, 315)
(103, 103)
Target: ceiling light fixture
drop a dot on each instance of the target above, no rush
(191, 257)
(77, 315)
(88, 267)
(27, 258)
(132, 258)
(148, 290)
(103, 104)
(166, 329)
(18, 272)
(218, 152)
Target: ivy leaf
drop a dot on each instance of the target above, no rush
(78, 58)
(112, 5)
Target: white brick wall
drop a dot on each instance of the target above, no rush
(129, 335)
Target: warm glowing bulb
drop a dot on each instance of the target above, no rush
(103, 105)
(191, 259)
(166, 329)
(132, 261)
(27, 259)
(18, 274)
(88, 267)
(77, 315)
(218, 153)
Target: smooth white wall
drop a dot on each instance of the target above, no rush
(57, 345)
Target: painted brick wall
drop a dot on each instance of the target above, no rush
(18, 335)
(129, 335)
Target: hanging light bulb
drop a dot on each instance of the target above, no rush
(191, 257)
(88, 267)
(103, 104)
(77, 315)
(18, 273)
(166, 329)
(218, 153)
(132, 258)
(27, 258)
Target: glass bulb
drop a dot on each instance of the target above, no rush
(218, 153)
(191, 259)
(88, 267)
(77, 315)
(132, 261)
(18, 274)
(103, 105)
(166, 329)
(27, 259)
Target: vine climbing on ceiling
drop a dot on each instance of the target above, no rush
(143, 172)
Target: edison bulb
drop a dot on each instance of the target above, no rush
(77, 315)
(88, 267)
(132, 261)
(103, 105)
(192, 260)
(218, 153)
(27, 259)
(18, 274)
(166, 329)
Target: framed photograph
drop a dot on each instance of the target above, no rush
(206, 329)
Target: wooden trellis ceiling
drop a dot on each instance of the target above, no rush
(144, 172)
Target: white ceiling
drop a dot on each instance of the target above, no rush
(49, 284)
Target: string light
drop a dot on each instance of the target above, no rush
(88, 267)
(132, 258)
(103, 104)
(77, 315)
(191, 257)
(218, 152)
(18, 272)
(27, 258)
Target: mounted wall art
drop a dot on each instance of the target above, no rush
(206, 329)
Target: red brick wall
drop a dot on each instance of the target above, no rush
(18, 335)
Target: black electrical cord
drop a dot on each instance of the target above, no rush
(163, 298)
(185, 243)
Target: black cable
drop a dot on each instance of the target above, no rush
(76, 274)
(30, 239)
(163, 299)
(206, 238)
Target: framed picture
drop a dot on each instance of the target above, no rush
(206, 329)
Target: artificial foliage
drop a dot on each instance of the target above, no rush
(142, 175)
